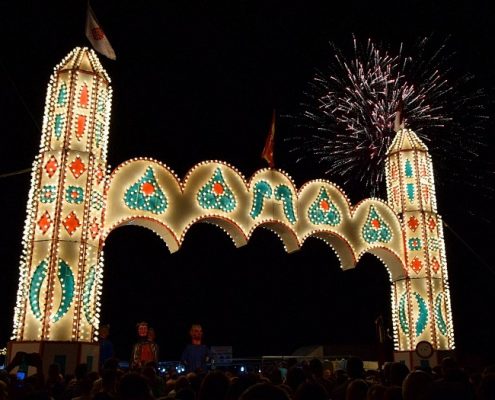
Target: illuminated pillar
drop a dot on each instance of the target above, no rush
(422, 310)
(60, 270)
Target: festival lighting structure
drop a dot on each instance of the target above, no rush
(421, 299)
(74, 203)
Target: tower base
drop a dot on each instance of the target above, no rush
(66, 354)
(412, 360)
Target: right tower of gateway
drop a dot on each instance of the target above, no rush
(422, 310)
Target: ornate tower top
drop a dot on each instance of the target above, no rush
(77, 108)
(82, 59)
(404, 140)
(409, 171)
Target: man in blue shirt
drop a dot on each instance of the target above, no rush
(196, 355)
(106, 346)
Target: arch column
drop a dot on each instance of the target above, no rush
(60, 271)
(421, 300)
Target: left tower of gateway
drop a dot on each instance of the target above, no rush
(61, 261)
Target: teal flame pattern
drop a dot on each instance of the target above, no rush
(37, 279)
(262, 191)
(66, 278)
(283, 192)
(88, 289)
(423, 314)
(404, 324)
(442, 325)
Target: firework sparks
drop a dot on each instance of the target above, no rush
(350, 110)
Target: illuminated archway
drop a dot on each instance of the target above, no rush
(74, 203)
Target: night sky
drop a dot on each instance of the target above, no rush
(198, 81)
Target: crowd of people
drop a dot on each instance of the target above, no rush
(290, 379)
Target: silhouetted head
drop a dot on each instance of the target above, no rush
(316, 367)
(417, 386)
(311, 391)
(134, 386)
(264, 391)
(398, 372)
(357, 390)
(355, 368)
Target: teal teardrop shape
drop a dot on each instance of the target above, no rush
(146, 194)
(216, 194)
(323, 210)
(375, 229)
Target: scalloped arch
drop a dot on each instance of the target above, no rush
(284, 232)
(228, 226)
(153, 225)
(147, 193)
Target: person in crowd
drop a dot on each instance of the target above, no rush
(264, 391)
(295, 377)
(196, 355)
(55, 383)
(417, 386)
(397, 373)
(134, 386)
(143, 350)
(486, 388)
(357, 389)
(106, 345)
(311, 390)
(355, 370)
(77, 383)
(152, 339)
(150, 372)
(215, 386)
(453, 384)
(317, 374)
(376, 392)
(4, 390)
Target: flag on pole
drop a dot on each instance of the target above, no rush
(267, 153)
(97, 37)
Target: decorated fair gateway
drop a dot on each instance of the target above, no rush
(74, 203)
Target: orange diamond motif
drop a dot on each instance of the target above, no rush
(71, 223)
(395, 192)
(435, 265)
(416, 264)
(99, 175)
(51, 166)
(45, 222)
(413, 223)
(426, 193)
(432, 224)
(77, 167)
(94, 229)
(394, 171)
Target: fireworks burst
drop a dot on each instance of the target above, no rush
(349, 112)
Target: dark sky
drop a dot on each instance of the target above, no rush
(196, 81)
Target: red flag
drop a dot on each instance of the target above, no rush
(267, 153)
